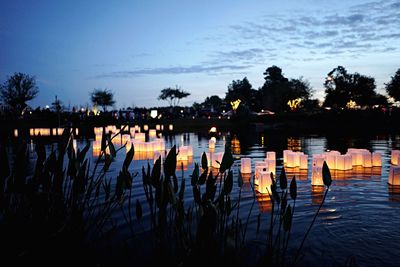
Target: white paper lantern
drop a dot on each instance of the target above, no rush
(376, 159)
(303, 162)
(330, 158)
(245, 166)
(271, 163)
(316, 177)
(394, 159)
(271, 155)
(343, 162)
(367, 159)
(318, 160)
(394, 175)
(285, 153)
(264, 183)
(171, 127)
(158, 127)
(259, 166)
(217, 157)
(152, 133)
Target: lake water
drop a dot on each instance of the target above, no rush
(360, 218)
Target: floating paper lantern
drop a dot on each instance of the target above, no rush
(367, 159)
(132, 132)
(285, 153)
(31, 132)
(140, 137)
(258, 167)
(376, 159)
(394, 175)
(171, 127)
(330, 159)
(145, 127)
(264, 185)
(316, 177)
(137, 129)
(271, 163)
(15, 132)
(344, 162)
(213, 129)
(395, 157)
(211, 143)
(158, 127)
(152, 133)
(98, 130)
(271, 155)
(245, 165)
(217, 157)
(54, 132)
(76, 131)
(303, 161)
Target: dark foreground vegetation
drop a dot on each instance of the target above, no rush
(59, 210)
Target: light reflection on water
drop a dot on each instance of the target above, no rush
(361, 213)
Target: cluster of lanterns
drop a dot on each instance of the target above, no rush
(46, 132)
(353, 159)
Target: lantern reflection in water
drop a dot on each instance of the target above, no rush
(300, 174)
(235, 146)
(317, 194)
(264, 202)
(394, 193)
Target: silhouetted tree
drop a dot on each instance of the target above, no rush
(278, 90)
(243, 90)
(393, 87)
(17, 90)
(173, 96)
(103, 98)
(341, 87)
(213, 102)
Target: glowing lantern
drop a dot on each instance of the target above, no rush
(316, 177)
(394, 175)
(171, 127)
(31, 132)
(264, 182)
(209, 157)
(126, 138)
(132, 132)
(137, 129)
(15, 133)
(303, 161)
(376, 159)
(145, 127)
(271, 155)
(285, 153)
(394, 159)
(158, 128)
(140, 137)
(162, 127)
(245, 165)
(96, 148)
(76, 131)
(367, 159)
(259, 166)
(182, 155)
(343, 162)
(190, 151)
(331, 160)
(152, 133)
(54, 132)
(211, 143)
(217, 157)
(271, 163)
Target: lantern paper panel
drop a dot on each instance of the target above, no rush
(217, 157)
(285, 153)
(271, 155)
(303, 162)
(271, 163)
(330, 159)
(395, 157)
(376, 159)
(318, 160)
(367, 159)
(259, 166)
(152, 133)
(265, 182)
(245, 165)
(316, 177)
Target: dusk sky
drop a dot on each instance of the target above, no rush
(137, 48)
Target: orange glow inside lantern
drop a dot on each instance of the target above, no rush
(316, 177)
(395, 157)
(271, 155)
(245, 165)
(265, 182)
(376, 159)
(367, 159)
(303, 161)
(152, 133)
